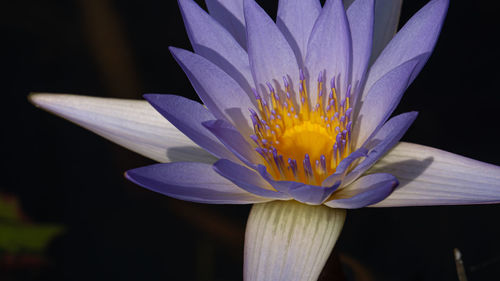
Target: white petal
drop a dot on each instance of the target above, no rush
(429, 176)
(133, 124)
(289, 241)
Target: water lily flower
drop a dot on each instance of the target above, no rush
(295, 113)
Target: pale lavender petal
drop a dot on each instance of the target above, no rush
(133, 124)
(341, 170)
(360, 15)
(384, 139)
(215, 43)
(329, 48)
(187, 116)
(247, 179)
(386, 24)
(233, 141)
(191, 181)
(229, 13)
(296, 19)
(305, 193)
(381, 101)
(417, 37)
(366, 191)
(271, 57)
(219, 92)
(429, 176)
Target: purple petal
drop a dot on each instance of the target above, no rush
(305, 193)
(341, 170)
(329, 48)
(296, 19)
(386, 24)
(271, 57)
(247, 179)
(229, 13)
(312, 194)
(361, 16)
(191, 181)
(381, 100)
(233, 141)
(219, 92)
(417, 37)
(381, 142)
(430, 176)
(281, 186)
(213, 42)
(187, 116)
(365, 191)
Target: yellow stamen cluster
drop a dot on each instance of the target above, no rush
(302, 142)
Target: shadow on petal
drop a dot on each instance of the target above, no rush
(229, 20)
(418, 168)
(178, 154)
(237, 114)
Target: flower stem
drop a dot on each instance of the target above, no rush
(287, 240)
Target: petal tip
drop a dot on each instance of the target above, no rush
(41, 99)
(130, 175)
(152, 98)
(174, 50)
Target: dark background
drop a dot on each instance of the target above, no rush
(115, 230)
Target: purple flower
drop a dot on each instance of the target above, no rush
(293, 110)
(297, 110)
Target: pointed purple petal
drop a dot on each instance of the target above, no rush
(381, 101)
(271, 57)
(191, 181)
(219, 92)
(187, 116)
(386, 138)
(213, 42)
(361, 16)
(296, 19)
(247, 179)
(229, 13)
(365, 191)
(233, 141)
(429, 176)
(417, 37)
(329, 48)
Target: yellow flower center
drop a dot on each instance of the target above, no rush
(302, 143)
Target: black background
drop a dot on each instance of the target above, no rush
(118, 231)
